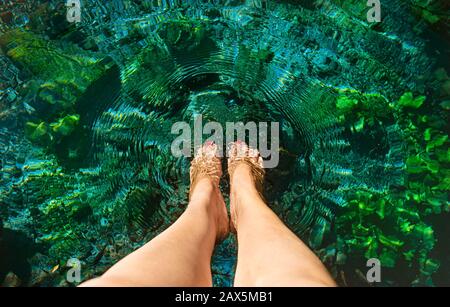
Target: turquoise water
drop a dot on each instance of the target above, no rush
(86, 112)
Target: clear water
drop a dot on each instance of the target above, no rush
(86, 112)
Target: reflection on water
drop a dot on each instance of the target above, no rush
(86, 111)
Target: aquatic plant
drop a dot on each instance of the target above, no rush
(60, 75)
(391, 225)
(364, 147)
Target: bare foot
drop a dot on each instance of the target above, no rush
(205, 174)
(245, 167)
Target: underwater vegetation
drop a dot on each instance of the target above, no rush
(86, 111)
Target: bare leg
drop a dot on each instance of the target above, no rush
(269, 254)
(181, 255)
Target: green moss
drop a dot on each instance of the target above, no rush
(443, 155)
(415, 165)
(408, 101)
(445, 105)
(183, 34)
(36, 132)
(430, 266)
(388, 258)
(430, 17)
(47, 61)
(389, 225)
(390, 241)
(436, 142)
(66, 125)
(345, 103)
(359, 125)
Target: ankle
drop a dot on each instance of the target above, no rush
(242, 176)
(204, 186)
(207, 202)
(202, 193)
(246, 201)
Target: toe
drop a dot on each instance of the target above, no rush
(261, 162)
(200, 152)
(253, 154)
(210, 149)
(242, 149)
(232, 152)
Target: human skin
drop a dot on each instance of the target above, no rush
(269, 254)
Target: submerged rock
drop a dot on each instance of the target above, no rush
(11, 280)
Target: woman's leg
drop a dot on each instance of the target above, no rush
(181, 255)
(269, 254)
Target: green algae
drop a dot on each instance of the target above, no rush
(408, 101)
(66, 125)
(405, 212)
(393, 223)
(36, 132)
